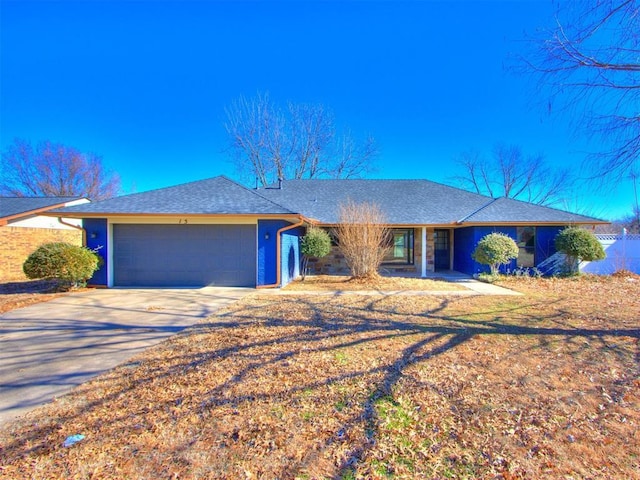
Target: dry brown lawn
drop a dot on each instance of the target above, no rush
(22, 293)
(543, 385)
(319, 283)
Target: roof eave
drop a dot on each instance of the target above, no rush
(533, 223)
(37, 211)
(169, 214)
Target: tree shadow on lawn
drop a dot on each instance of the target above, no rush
(251, 342)
(32, 286)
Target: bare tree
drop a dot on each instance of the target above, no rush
(591, 58)
(52, 169)
(362, 235)
(509, 173)
(632, 222)
(299, 141)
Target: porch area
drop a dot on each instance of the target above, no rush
(419, 252)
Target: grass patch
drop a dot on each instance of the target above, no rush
(539, 386)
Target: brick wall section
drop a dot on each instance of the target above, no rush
(431, 248)
(332, 264)
(17, 243)
(335, 264)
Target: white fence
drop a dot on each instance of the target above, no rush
(623, 253)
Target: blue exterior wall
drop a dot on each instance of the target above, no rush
(545, 242)
(467, 238)
(289, 252)
(267, 250)
(97, 235)
(96, 238)
(290, 255)
(465, 242)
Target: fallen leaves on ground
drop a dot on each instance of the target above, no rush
(342, 283)
(22, 293)
(543, 385)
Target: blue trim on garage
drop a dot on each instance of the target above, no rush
(97, 239)
(267, 250)
(289, 252)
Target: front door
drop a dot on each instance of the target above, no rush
(441, 250)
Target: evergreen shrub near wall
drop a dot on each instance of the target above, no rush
(316, 243)
(67, 263)
(578, 245)
(494, 250)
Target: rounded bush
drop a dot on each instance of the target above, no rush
(578, 245)
(62, 261)
(316, 243)
(494, 250)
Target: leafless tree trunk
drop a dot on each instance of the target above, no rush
(509, 173)
(299, 141)
(53, 169)
(362, 236)
(591, 59)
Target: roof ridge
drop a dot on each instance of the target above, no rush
(273, 186)
(491, 201)
(255, 192)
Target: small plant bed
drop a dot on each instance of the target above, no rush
(23, 293)
(342, 283)
(543, 385)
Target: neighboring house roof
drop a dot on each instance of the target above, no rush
(12, 208)
(217, 195)
(403, 202)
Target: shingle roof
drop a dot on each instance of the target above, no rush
(505, 210)
(404, 202)
(411, 202)
(217, 195)
(12, 206)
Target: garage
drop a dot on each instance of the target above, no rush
(154, 255)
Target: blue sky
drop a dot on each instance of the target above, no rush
(145, 84)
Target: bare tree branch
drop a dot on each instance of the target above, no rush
(591, 59)
(300, 141)
(55, 170)
(511, 174)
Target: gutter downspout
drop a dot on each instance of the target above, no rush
(77, 227)
(278, 254)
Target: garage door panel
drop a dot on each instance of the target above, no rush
(184, 255)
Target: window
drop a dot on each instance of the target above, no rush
(400, 246)
(527, 246)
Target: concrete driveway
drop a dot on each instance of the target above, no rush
(49, 348)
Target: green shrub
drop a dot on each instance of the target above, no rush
(316, 243)
(494, 250)
(62, 261)
(578, 245)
